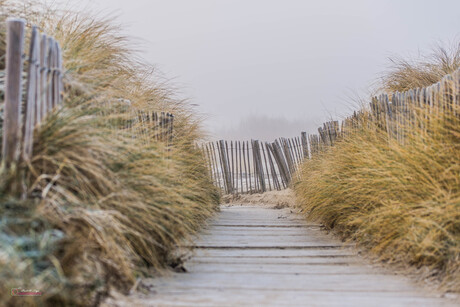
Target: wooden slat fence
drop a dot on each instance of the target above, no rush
(150, 126)
(258, 167)
(239, 167)
(398, 115)
(44, 89)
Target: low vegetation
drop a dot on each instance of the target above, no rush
(399, 200)
(106, 202)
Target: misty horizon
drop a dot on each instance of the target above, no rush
(265, 128)
(297, 60)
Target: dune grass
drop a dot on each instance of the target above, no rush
(106, 204)
(405, 74)
(400, 200)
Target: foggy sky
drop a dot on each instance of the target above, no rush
(293, 60)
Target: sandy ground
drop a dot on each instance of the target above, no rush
(272, 199)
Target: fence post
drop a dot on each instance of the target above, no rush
(245, 169)
(304, 144)
(241, 168)
(43, 76)
(13, 91)
(225, 166)
(266, 167)
(259, 172)
(49, 74)
(30, 106)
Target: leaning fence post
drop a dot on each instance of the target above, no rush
(13, 90)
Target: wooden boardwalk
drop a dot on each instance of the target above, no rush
(253, 256)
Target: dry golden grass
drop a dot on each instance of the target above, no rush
(105, 204)
(422, 72)
(401, 201)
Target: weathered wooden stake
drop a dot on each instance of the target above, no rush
(249, 167)
(245, 169)
(13, 91)
(241, 169)
(30, 105)
(266, 167)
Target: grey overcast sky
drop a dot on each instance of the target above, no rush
(295, 60)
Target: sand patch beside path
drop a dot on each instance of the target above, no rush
(272, 199)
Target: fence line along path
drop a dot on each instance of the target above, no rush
(31, 94)
(253, 167)
(255, 256)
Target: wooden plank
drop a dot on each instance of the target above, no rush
(292, 154)
(241, 169)
(49, 75)
(57, 74)
(234, 177)
(269, 269)
(331, 260)
(258, 166)
(216, 164)
(212, 152)
(304, 144)
(38, 103)
(225, 297)
(245, 168)
(289, 159)
(60, 68)
(225, 166)
(43, 76)
(222, 163)
(266, 168)
(13, 91)
(229, 170)
(30, 105)
(254, 167)
(276, 254)
(249, 167)
(207, 160)
(372, 283)
(290, 143)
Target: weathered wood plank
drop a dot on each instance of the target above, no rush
(13, 91)
(273, 297)
(279, 253)
(31, 96)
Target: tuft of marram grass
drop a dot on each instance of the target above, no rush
(422, 72)
(401, 201)
(115, 201)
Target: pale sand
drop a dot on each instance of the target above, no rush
(272, 199)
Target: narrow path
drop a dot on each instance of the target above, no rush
(253, 256)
